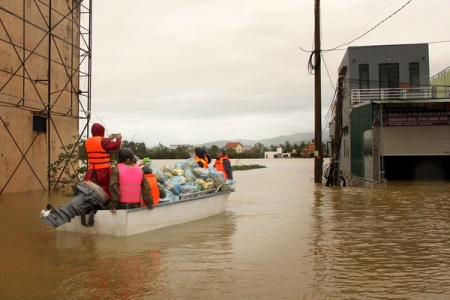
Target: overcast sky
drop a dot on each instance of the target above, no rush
(196, 71)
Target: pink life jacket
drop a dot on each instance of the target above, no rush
(130, 179)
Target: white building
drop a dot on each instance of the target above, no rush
(276, 154)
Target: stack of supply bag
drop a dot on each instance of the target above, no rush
(186, 177)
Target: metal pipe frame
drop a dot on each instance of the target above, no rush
(79, 11)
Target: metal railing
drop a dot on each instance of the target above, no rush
(360, 95)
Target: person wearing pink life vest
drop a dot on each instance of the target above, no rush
(128, 184)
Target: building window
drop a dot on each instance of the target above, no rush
(389, 76)
(363, 76)
(414, 80)
(39, 124)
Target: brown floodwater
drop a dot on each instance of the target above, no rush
(282, 237)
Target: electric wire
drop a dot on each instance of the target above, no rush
(372, 19)
(362, 35)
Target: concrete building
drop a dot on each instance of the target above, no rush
(44, 87)
(392, 124)
(276, 154)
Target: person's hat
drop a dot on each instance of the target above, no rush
(224, 152)
(146, 159)
(200, 152)
(147, 170)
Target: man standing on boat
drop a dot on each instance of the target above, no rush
(202, 157)
(99, 162)
(223, 164)
(128, 184)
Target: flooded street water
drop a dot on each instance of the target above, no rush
(281, 237)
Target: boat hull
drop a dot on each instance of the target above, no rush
(139, 220)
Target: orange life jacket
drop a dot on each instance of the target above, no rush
(219, 165)
(202, 160)
(98, 158)
(151, 178)
(130, 179)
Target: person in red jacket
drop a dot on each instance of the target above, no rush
(99, 162)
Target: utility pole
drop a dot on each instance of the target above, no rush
(318, 153)
(335, 167)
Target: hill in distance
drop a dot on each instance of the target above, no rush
(297, 138)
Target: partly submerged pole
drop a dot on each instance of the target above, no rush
(318, 153)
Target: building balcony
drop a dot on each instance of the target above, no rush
(362, 95)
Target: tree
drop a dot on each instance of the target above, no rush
(212, 151)
(68, 167)
(139, 149)
(287, 147)
(258, 150)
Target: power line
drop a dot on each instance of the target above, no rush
(390, 16)
(372, 19)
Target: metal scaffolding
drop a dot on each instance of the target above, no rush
(64, 29)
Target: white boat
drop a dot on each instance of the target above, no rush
(190, 207)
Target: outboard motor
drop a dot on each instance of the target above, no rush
(89, 198)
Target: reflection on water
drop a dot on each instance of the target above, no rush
(392, 242)
(282, 237)
(146, 264)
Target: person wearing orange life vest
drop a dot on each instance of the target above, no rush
(99, 162)
(202, 157)
(128, 184)
(151, 178)
(223, 164)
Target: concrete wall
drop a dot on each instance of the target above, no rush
(27, 90)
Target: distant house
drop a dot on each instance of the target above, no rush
(306, 152)
(236, 146)
(276, 154)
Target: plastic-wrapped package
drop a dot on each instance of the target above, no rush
(180, 164)
(178, 179)
(189, 188)
(178, 171)
(201, 173)
(186, 177)
(162, 191)
(231, 184)
(171, 196)
(189, 174)
(219, 179)
(202, 184)
(213, 171)
(209, 184)
(160, 176)
(166, 176)
(174, 188)
(168, 185)
(190, 163)
(166, 169)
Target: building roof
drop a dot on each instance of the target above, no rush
(233, 145)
